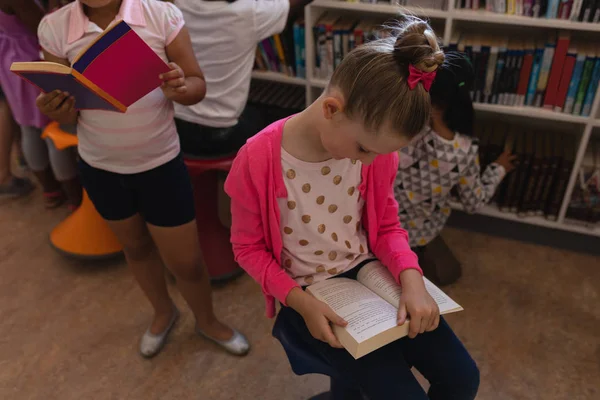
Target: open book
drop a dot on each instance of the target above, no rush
(113, 72)
(370, 306)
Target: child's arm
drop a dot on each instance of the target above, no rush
(393, 250)
(28, 12)
(252, 254)
(476, 190)
(57, 105)
(184, 84)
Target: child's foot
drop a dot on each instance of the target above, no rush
(156, 336)
(231, 340)
(54, 199)
(16, 187)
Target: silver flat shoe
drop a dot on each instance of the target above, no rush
(152, 344)
(238, 344)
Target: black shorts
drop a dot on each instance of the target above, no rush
(163, 195)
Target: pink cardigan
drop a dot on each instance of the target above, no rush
(254, 184)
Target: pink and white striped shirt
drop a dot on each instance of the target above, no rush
(145, 136)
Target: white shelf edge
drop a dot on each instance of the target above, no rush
(278, 77)
(320, 83)
(387, 9)
(504, 19)
(492, 211)
(596, 123)
(532, 112)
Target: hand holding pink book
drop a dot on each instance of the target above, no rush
(114, 72)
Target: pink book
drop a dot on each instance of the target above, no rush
(114, 72)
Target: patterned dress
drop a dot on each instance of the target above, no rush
(429, 168)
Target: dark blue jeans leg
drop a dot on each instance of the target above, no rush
(444, 362)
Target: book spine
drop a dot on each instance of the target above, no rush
(586, 76)
(489, 78)
(521, 183)
(535, 75)
(574, 84)
(498, 74)
(484, 57)
(544, 73)
(591, 91)
(511, 6)
(558, 61)
(524, 77)
(337, 48)
(575, 10)
(552, 11)
(528, 8)
(536, 9)
(519, 7)
(560, 186)
(565, 79)
(500, 6)
(527, 202)
(298, 51)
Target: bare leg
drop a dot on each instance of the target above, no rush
(180, 249)
(147, 268)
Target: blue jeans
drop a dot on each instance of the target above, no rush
(385, 374)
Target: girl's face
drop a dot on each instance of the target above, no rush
(343, 137)
(98, 3)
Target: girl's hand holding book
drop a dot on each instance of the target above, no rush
(317, 316)
(58, 106)
(173, 82)
(417, 304)
(507, 159)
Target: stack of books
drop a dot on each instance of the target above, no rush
(283, 53)
(543, 167)
(556, 73)
(574, 10)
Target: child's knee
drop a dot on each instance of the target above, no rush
(469, 383)
(139, 249)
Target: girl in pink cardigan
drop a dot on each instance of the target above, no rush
(312, 198)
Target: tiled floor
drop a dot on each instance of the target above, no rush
(69, 330)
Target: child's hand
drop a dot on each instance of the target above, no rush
(506, 159)
(417, 304)
(56, 105)
(317, 316)
(173, 82)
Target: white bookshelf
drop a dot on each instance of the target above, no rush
(452, 17)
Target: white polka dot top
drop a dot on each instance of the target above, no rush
(321, 218)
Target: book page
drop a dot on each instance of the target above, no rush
(377, 278)
(366, 313)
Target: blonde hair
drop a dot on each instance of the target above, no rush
(373, 78)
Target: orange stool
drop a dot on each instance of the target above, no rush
(214, 237)
(83, 233)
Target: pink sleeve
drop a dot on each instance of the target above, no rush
(392, 247)
(247, 230)
(49, 39)
(173, 22)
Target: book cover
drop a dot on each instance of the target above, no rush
(591, 90)
(370, 306)
(558, 60)
(545, 71)
(574, 83)
(96, 80)
(586, 77)
(565, 79)
(525, 73)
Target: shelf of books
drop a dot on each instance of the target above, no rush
(530, 76)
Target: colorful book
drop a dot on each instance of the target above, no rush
(574, 83)
(525, 73)
(545, 71)
(535, 73)
(97, 80)
(560, 54)
(591, 90)
(565, 79)
(552, 11)
(586, 77)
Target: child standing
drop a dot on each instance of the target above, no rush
(312, 198)
(19, 20)
(131, 164)
(442, 157)
(221, 124)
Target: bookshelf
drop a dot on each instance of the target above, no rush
(452, 17)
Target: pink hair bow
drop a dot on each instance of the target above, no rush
(416, 75)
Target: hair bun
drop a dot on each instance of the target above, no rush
(417, 44)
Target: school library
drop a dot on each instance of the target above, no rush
(296, 199)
